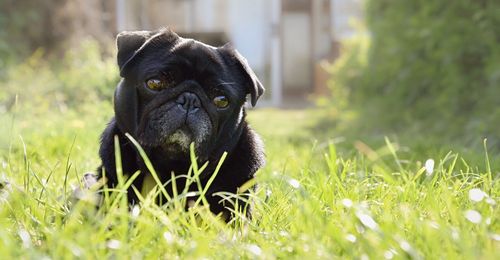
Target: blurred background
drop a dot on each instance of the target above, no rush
(285, 41)
(374, 124)
(414, 70)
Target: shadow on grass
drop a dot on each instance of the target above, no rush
(417, 139)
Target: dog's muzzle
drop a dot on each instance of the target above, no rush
(175, 123)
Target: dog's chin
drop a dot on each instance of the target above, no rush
(178, 143)
(181, 139)
(177, 146)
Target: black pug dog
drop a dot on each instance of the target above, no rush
(175, 92)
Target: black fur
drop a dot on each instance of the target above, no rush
(152, 117)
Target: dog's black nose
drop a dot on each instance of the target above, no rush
(189, 102)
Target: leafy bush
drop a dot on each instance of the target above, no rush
(436, 63)
(82, 75)
(348, 69)
(51, 25)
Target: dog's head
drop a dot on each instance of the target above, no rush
(175, 91)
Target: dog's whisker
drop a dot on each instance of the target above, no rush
(226, 83)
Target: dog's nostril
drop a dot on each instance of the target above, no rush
(188, 101)
(181, 100)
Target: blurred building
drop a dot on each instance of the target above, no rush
(283, 40)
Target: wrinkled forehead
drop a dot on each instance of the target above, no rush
(195, 50)
(192, 57)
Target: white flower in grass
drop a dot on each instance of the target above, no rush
(113, 244)
(347, 203)
(294, 183)
(473, 216)
(412, 252)
(351, 238)
(254, 249)
(495, 237)
(284, 233)
(491, 201)
(367, 220)
(433, 224)
(388, 254)
(477, 195)
(25, 237)
(454, 234)
(135, 211)
(169, 238)
(406, 246)
(429, 167)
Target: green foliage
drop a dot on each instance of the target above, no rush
(82, 75)
(434, 63)
(26, 26)
(348, 69)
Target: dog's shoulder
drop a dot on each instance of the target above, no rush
(252, 143)
(245, 159)
(107, 151)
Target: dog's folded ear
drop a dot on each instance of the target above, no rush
(254, 87)
(131, 43)
(128, 43)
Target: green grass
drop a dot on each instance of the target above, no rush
(320, 196)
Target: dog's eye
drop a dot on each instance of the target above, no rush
(155, 84)
(221, 101)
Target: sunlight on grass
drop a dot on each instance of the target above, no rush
(316, 199)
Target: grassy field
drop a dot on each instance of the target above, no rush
(322, 195)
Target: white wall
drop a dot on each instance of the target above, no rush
(296, 51)
(248, 28)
